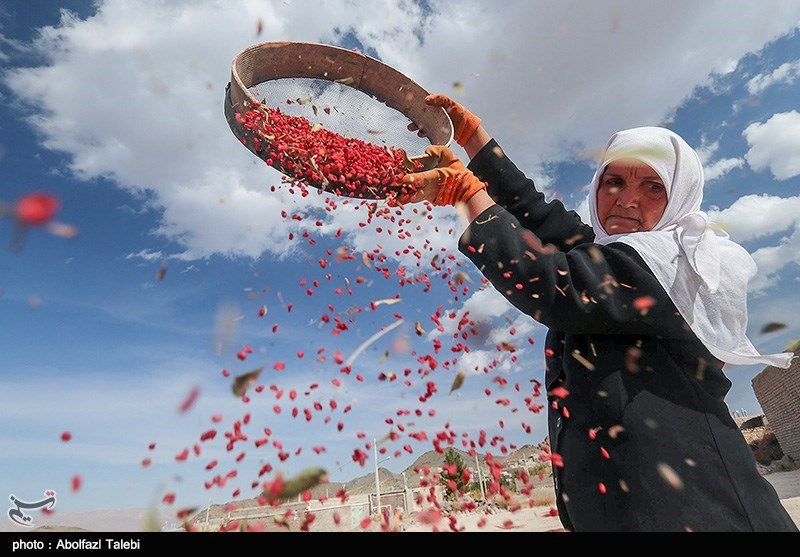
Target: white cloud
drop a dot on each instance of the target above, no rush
(772, 259)
(135, 92)
(716, 169)
(515, 332)
(6, 44)
(494, 321)
(482, 307)
(3, 57)
(775, 145)
(147, 255)
(758, 216)
(785, 73)
(483, 361)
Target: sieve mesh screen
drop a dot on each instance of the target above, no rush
(341, 109)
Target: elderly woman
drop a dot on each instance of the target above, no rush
(643, 307)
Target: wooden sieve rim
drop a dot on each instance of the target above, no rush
(274, 60)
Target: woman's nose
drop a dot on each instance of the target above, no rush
(628, 197)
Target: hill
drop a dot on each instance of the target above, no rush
(526, 456)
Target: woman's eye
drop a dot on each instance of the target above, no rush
(655, 187)
(611, 188)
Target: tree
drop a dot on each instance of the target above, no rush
(452, 477)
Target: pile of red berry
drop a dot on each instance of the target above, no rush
(314, 156)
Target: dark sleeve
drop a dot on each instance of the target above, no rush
(517, 194)
(591, 289)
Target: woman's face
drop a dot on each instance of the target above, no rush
(631, 197)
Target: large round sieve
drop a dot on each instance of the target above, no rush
(336, 90)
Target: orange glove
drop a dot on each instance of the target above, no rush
(450, 183)
(465, 123)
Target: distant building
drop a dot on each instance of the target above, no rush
(778, 392)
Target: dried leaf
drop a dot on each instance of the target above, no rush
(304, 481)
(305, 100)
(670, 476)
(772, 327)
(62, 230)
(632, 355)
(151, 520)
(595, 254)
(162, 272)
(458, 381)
(574, 239)
(387, 301)
(586, 363)
(245, 381)
(458, 87)
(461, 277)
(418, 328)
(719, 226)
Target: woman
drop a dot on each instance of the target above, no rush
(643, 308)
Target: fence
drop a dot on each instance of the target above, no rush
(315, 515)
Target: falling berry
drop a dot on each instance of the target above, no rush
(190, 400)
(643, 304)
(37, 209)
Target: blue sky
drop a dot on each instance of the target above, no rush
(116, 108)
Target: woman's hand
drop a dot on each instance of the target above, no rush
(450, 183)
(465, 123)
(467, 129)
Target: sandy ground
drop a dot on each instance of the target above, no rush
(535, 520)
(787, 484)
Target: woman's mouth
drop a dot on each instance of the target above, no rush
(616, 224)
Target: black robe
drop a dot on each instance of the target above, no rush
(640, 423)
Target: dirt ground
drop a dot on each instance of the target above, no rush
(537, 519)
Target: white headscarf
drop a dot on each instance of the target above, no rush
(703, 271)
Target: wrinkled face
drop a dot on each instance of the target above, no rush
(631, 197)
